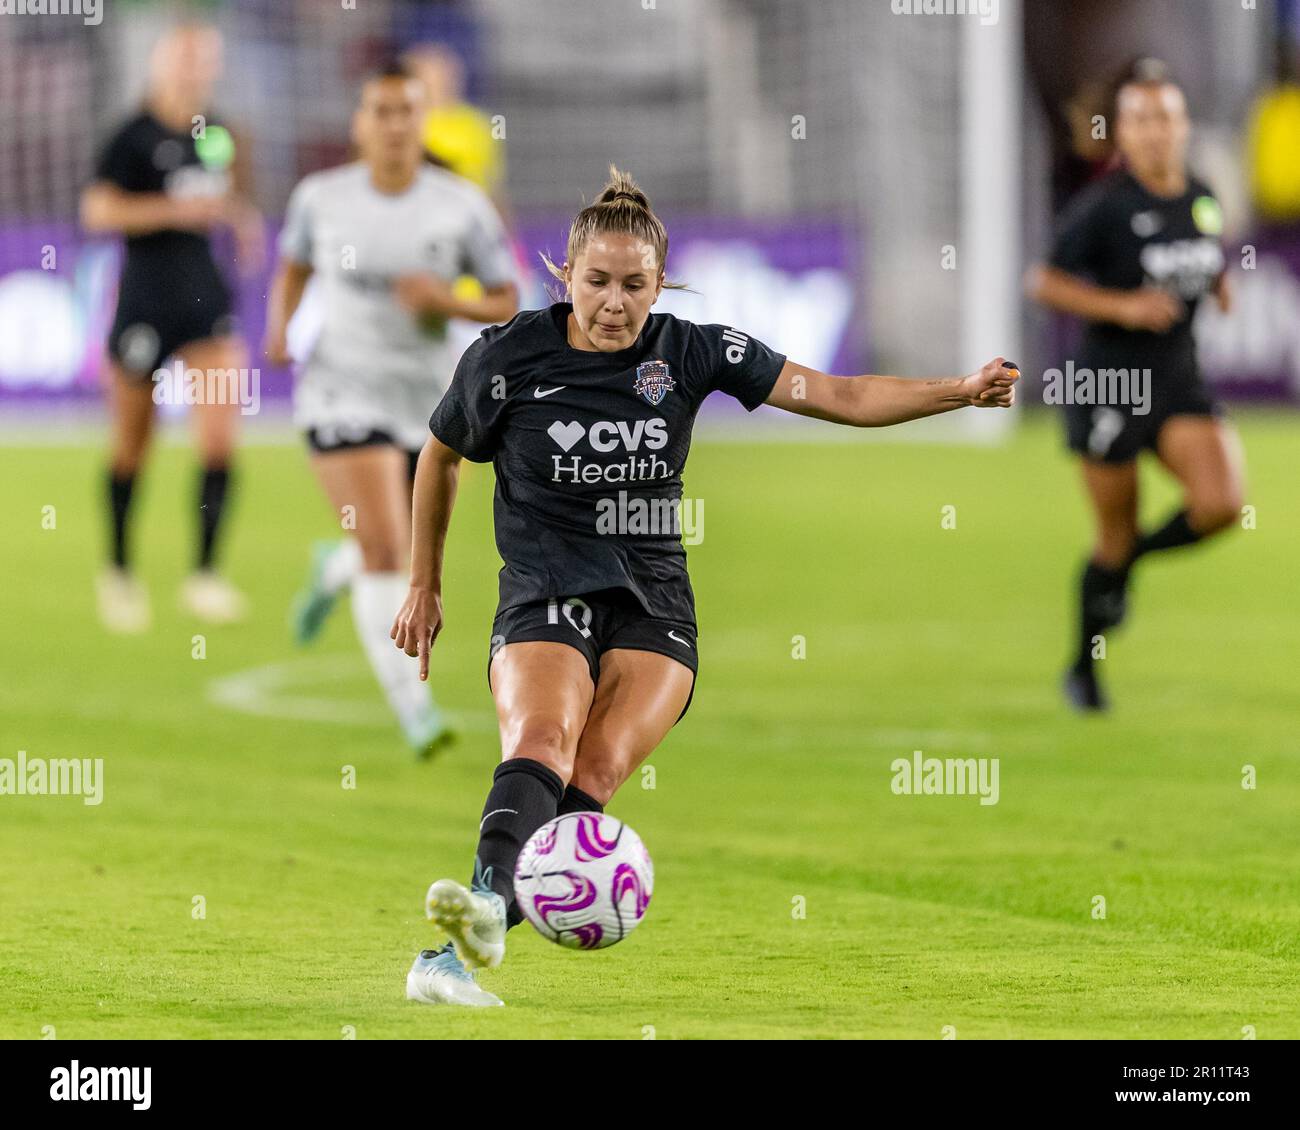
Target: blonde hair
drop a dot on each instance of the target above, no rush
(623, 209)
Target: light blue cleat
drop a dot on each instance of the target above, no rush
(427, 732)
(439, 977)
(475, 920)
(314, 603)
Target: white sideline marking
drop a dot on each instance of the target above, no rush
(285, 690)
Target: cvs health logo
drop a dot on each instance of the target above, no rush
(606, 435)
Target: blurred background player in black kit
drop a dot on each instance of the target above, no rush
(1133, 256)
(165, 181)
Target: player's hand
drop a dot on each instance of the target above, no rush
(1150, 308)
(1223, 293)
(199, 213)
(417, 625)
(994, 386)
(276, 348)
(425, 294)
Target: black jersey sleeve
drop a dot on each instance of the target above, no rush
(740, 365)
(468, 417)
(123, 163)
(1079, 245)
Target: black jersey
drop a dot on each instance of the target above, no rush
(589, 448)
(147, 156)
(1120, 236)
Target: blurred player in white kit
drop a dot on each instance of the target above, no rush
(385, 238)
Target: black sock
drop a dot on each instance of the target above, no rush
(120, 488)
(575, 800)
(1177, 531)
(1100, 591)
(525, 795)
(214, 483)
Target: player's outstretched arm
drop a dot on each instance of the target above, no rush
(875, 402)
(420, 618)
(282, 300)
(109, 210)
(428, 294)
(1147, 308)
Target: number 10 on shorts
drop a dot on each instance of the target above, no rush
(576, 612)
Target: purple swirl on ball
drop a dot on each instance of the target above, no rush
(589, 936)
(626, 879)
(581, 894)
(590, 843)
(544, 844)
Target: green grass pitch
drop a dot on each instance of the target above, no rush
(796, 895)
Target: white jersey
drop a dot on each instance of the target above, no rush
(375, 366)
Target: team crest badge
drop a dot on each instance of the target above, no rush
(652, 382)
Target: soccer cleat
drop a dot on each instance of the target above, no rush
(474, 920)
(123, 602)
(1083, 690)
(314, 603)
(439, 977)
(426, 733)
(211, 597)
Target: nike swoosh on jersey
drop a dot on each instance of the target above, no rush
(538, 393)
(674, 636)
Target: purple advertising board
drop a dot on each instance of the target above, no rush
(1253, 352)
(793, 283)
(796, 284)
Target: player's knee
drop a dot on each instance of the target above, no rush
(379, 556)
(600, 777)
(126, 463)
(1115, 547)
(129, 454)
(1214, 512)
(550, 740)
(129, 451)
(216, 451)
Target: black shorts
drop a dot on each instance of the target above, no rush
(152, 323)
(1115, 434)
(595, 623)
(324, 440)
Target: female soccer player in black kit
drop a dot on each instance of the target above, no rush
(165, 180)
(582, 407)
(1134, 255)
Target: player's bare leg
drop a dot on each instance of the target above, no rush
(366, 487)
(639, 698)
(206, 593)
(123, 602)
(1204, 454)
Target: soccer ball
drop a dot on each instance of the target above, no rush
(584, 880)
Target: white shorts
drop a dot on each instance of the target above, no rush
(328, 402)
